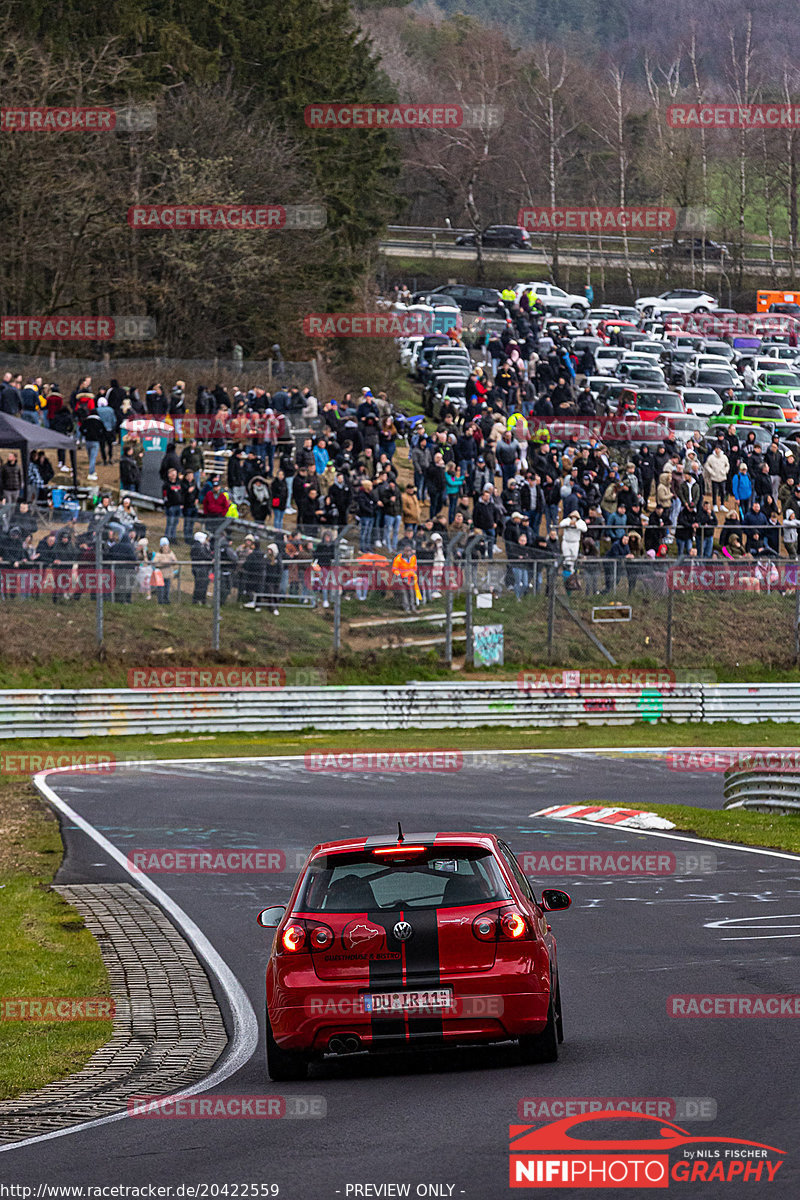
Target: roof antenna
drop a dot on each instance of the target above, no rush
(400, 837)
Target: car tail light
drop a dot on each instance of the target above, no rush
(320, 937)
(508, 925)
(513, 925)
(399, 850)
(293, 938)
(485, 927)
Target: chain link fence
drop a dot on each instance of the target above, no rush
(345, 600)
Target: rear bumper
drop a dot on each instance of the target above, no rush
(309, 1021)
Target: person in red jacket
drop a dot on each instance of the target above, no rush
(215, 505)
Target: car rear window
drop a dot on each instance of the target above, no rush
(719, 377)
(362, 881)
(763, 410)
(660, 402)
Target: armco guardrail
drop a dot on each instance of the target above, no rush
(120, 711)
(33, 714)
(762, 791)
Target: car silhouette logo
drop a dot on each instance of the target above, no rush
(557, 1136)
(402, 931)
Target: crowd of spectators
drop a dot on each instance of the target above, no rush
(482, 469)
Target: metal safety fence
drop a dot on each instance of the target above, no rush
(766, 790)
(613, 611)
(105, 712)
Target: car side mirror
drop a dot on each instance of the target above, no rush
(553, 899)
(271, 918)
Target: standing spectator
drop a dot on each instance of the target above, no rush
(202, 559)
(279, 498)
(390, 503)
(130, 473)
(11, 478)
(421, 458)
(122, 553)
(412, 510)
(168, 462)
(790, 527)
(215, 504)
(716, 470)
(507, 453)
(108, 419)
(742, 488)
(706, 528)
(177, 407)
(404, 570)
(192, 457)
(453, 485)
(366, 510)
(164, 563)
(93, 433)
(435, 483)
(485, 516)
(236, 477)
(272, 576)
(572, 528)
(173, 502)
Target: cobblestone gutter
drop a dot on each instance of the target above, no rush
(168, 1029)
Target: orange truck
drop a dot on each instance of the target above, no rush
(780, 302)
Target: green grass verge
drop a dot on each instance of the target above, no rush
(734, 825)
(46, 951)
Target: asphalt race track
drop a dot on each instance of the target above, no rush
(625, 946)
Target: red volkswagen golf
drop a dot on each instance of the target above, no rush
(392, 943)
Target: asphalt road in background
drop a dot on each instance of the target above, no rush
(625, 946)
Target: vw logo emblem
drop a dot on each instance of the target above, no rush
(402, 931)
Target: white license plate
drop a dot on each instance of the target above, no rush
(389, 1003)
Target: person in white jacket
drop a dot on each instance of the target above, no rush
(572, 529)
(716, 469)
(790, 527)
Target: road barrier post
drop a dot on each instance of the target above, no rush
(551, 608)
(218, 532)
(469, 590)
(448, 596)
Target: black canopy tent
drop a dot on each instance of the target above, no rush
(24, 436)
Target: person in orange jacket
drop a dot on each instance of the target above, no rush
(404, 569)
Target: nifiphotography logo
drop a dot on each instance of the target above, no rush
(605, 1150)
